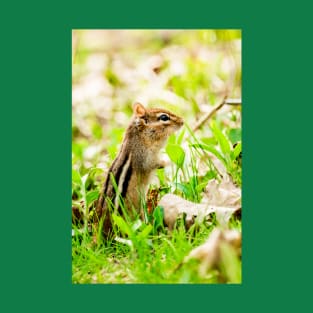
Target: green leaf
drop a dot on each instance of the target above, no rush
(181, 136)
(95, 170)
(208, 140)
(161, 176)
(221, 139)
(122, 225)
(92, 196)
(158, 218)
(176, 154)
(184, 188)
(112, 77)
(97, 131)
(234, 135)
(145, 232)
(200, 187)
(171, 139)
(76, 177)
(236, 151)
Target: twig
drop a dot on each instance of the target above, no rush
(228, 101)
(232, 101)
(209, 115)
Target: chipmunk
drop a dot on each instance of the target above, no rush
(128, 176)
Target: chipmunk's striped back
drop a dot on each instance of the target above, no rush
(116, 183)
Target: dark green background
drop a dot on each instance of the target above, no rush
(36, 156)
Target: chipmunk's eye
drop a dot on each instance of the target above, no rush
(164, 117)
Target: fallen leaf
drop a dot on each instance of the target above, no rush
(224, 193)
(210, 253)
(175, 206)
(152, 199)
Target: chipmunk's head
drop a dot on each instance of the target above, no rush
(156, 123)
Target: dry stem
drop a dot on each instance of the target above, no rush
(215, 109)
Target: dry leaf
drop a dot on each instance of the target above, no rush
(175, 206)
(209, 254)
(223, 198)
(224, 194)
(152, 199)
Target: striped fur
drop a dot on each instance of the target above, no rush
(128, 176)
(121, 172)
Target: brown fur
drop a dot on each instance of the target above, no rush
(135, 162)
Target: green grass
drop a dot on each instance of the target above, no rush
(146, 251)
(155, 259)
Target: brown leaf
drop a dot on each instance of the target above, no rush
(210, 253)
(152, 199)
(224, 194)
(175, 206)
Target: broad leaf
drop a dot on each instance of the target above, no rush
(176, 154)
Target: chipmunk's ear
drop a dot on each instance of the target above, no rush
(139, 109)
